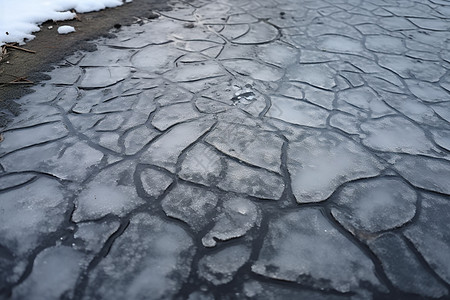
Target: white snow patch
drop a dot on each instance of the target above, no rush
(19, 19)
(65, 29)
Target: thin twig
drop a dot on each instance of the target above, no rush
(3, 53)
(19, 48)
(18, 80)
(76, 16)
(21, 80)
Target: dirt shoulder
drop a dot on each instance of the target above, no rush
(50, 47)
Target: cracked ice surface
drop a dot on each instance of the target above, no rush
(219, 268)
(375, 205)
(237, 216)
(297, 249)
(111, 192)
(227, 146)
(319, 164)
(54, 274)
(155, 265)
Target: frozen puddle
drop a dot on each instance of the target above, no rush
(234, 150)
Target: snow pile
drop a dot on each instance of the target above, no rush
(65, 29)
(19, 19)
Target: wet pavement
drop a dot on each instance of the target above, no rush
(238, 149)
